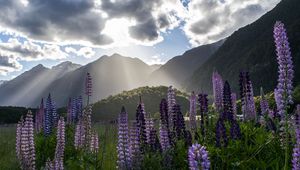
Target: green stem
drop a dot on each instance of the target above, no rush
(286, 143)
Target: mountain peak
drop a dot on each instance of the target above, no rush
(65, 65)
(39, 67)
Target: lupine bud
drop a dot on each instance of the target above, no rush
(124, 160)
(198, 157)
(217, 90)
(193, 124)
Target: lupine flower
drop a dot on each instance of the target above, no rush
(198, 157)
(88, 87)
(154, 141)
(251, 111)
(193, 124)
(74, 110)
(94, 144)
(221, 133)
(296, 150)
(79, 107)
(25, 148)
(123, 161)
(48, 116)
(39, 117)
(179, 125)
(217, 90)
(171, 102)
(164, 137)
(227, 102)
(149, 129)
(141, 123)
(235, 131)
(60, 145)
(164, 115)
(49, 165)
(79, 135)
(135, 145)
(234, 106)
(203, 103)
(285, 68)
(54, 114)
(69, 111)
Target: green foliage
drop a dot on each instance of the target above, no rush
(108, 109)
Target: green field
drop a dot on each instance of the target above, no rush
(107, 147)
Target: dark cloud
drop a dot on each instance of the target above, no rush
(145, 31)
(55, 20)
(8, 64)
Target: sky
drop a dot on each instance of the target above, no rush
(49, 32)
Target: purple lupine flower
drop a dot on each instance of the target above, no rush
(296, 150)
(154, 141)
(88, 87)
(69, 111)
(234, 106)
(39, 117)
(217, 90)
(149, 129)
(60, 145)
(79, 107)
(141, 123)
(74, 110)
(179, 125)
(171, 102)
(135, 145)
(25, 147)
(49, 165)
(286, 72)
(193, 124)
(221, 133)
(164, 137)
(164, 115)
(251, 104)
(198, 157)
(48, 117)
(94, 144)
(123, 148)
(227, 103)
(54, 115)
(203, 103)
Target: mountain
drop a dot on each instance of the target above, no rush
(252, 48)
(181, 67)
(109, 108)
(110, 74)
(2, 82)
(26, 89)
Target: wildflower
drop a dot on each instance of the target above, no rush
(217, 90)
(192, 115)
(198, 157)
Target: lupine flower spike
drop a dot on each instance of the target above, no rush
(198, 157)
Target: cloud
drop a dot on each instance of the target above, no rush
(55, 20)
(29, 51)
(210, 21)
(86, 52)
(8, 64)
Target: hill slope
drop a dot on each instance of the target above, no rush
(181, 67)
(26, 89)
(111, 75)
(109, 108)
(252, 48)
